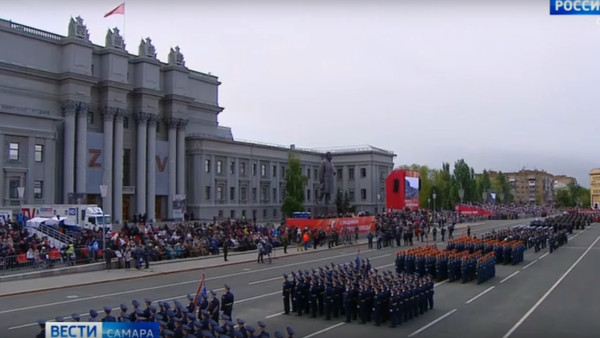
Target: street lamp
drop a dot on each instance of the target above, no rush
(103, 193)
(434, 195)
(429, 203)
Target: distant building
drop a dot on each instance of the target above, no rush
(531, 186)
(563, 181)
(77, 115)
(595, 188)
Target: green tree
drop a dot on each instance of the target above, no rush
(483, 185)
(295, 183)
(464, 177)
(503, 187)
(563, 197)
(442, 188)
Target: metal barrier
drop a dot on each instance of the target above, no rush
(49, 260)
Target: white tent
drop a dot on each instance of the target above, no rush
(35, 222)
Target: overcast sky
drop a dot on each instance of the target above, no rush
(503, 84)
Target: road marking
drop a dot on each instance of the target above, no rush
(509, 277)
(172, 284)
(384, 266)
(274, 315)
(530, 264)
(440, 283)
(544, 255)
(325, 330)
(158, 300)
(265, 280)
(535, 306)
(246, 269)
(72, 297)
(481, 294)
(432, 323)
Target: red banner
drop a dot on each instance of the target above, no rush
(365, 224)
(469, 210)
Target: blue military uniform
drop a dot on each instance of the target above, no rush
(227, 301)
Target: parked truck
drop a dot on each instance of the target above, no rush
(86, 216)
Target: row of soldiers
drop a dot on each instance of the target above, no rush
(178, 320)
(566, 222)
(357, 292)
(464, 259)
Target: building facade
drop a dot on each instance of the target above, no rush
(563, 181)
(85, 115)
(532, 186)
(595, 188)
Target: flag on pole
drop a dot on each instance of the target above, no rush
(118, 10)
(201, 290)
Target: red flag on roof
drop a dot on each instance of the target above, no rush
(118, 10)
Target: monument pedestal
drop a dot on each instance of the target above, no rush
(327, 211)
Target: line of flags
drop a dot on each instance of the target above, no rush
(118, 10)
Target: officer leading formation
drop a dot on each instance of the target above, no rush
(356, 292)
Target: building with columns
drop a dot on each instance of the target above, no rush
(77, 116)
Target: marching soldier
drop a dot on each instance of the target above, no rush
(287, 289)
(213, 306)
(227, 301)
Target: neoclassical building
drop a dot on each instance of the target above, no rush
(76, 116)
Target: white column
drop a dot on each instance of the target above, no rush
(107, 157)
(140, 185)
(151, 167)
(181, 157)
(117, 215)
(69, 107)
(172, 125)
(81, 164)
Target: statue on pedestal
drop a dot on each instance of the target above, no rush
(326, 180)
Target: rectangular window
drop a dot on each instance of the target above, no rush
(308, 173)
(351, 173)
(90, 117)
(220, 213)
(274, 194)
(157, 127)
(351, 195)
(274, 213)
(308, 195)
(13, 151)
(125, 122)
(253, 169)
(232, 168)
(232, 193)
(244, 213)
(243, 194)
(282, 171)
(219, 167)
(363, 172)
(263, 170)
(126, 167)
(220, 193)
(264, 213)
(232, 214)
(243, 168)
(39, 153)
(207, 192)
(363, 194)
(274, 171)
(38, 190)
(206, 166)
(13, 188)
(315, 174)
(339, 173)
(254, 194)
(264, 194)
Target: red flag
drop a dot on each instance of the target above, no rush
(200, 287)
(118, 10)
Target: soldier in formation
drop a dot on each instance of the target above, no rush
(356, 292)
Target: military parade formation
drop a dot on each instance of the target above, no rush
(354, 291)
(202, 317)
(357, 292)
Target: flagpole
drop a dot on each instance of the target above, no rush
(124, 32)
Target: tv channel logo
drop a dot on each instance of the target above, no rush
(101, 330)
(574, 7)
